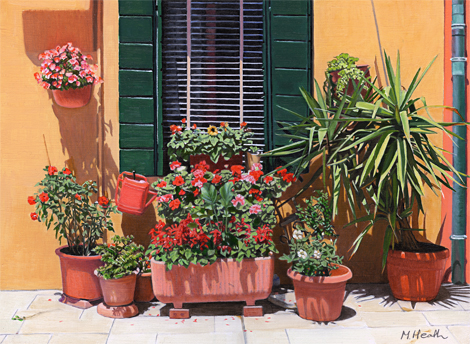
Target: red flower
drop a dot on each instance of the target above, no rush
(236, 169)
(289, 177)
(66, 171)
(194, 126)
(282, 172)
(268, 179)
(162, 184)
(174, 165)
(103, 201)
(183, 120)
(31, 200)
(196, 192)
(175, 204)
(44, 197)
(178, 181)
(78, 197)
(51, 170)
(216, 179)
(243, 125)
(34, 216)
(222, 124)
(199, 182)
(256, 174)
(182, 193)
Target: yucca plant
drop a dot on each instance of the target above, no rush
(378, 152)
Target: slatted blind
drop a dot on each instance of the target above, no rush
(212, 64)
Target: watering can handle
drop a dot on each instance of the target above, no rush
(154, 195)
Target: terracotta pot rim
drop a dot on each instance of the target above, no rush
(145, 274)
(271, 256)
(421, 256)
(115, 279)
(59, 252)
(344, 274)
(78, 88)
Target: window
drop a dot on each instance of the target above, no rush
(273, 37)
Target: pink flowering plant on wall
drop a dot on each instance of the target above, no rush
(66, 67)
(215, 214)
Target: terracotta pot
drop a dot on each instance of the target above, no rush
(73, 98)
(143, 288)
(320, 298)
(225, 280)
(351, 84)
(415, 276)
(78, 278)
(120, 291)
(221, 164)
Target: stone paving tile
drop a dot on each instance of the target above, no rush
(201, 338)
(277, 321)
(153, 309)
(409, 306)
(11, 301)
(163, 324)
(330, 336)
(2, 337)
(461, 333)
(266, 337)
(95, 338)
(9, 326)
(420, 334)
(228, 324)
(371, 304)
(101, 325)
(141, 338)
(448, 317)
(27, 339)
(465, 305)
(389, 319)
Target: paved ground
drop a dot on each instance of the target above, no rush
(370, 315)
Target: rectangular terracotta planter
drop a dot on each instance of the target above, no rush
(225, 280)
(221, 164)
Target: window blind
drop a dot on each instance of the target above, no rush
(212, 64)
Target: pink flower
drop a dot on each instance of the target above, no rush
(165, 198)
(256, 167)
(89, 79)
(238, 199)
(249, 178)
(174, 165)
(255, 209)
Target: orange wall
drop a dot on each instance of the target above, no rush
(86, 140)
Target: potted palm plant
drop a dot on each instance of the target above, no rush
(318, 276)
(118, 276)
(378, 152)
(66, 206)
(67, 72)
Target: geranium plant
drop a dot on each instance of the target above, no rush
(66, 206)
(66, 67)
(310, 254)
(122, 257)
(215, 214)
(222, 141)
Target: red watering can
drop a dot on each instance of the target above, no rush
(131, 194)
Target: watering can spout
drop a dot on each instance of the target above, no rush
(132, 191)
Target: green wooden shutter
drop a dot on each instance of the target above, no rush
(138, 79)
(288, 61)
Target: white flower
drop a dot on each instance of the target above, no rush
(317, 254)
(297, 235)
(302, 254)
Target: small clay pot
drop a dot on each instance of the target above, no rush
(143, 288)
(120, 291)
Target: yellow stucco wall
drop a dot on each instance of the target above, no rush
(87, 139)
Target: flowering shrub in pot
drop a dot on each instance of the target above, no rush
(210, 144)
(66, 71)
(66, 206)
(220, 225)
(319, 279)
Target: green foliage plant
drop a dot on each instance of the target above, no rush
(67, 207)
(121, 257)
(310, 254)
(223, 141)
(347, 70)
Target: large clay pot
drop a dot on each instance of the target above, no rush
(415, 276)
(119, 291)
(225, 280)
(320, 298)
(143, 288)
(73, 98)
(221, 164)
(78, 278)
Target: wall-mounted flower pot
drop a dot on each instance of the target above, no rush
(320, 298)
(221, 164)
(78, 278)
(73, 98)
(416, 276)
(143, 288)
